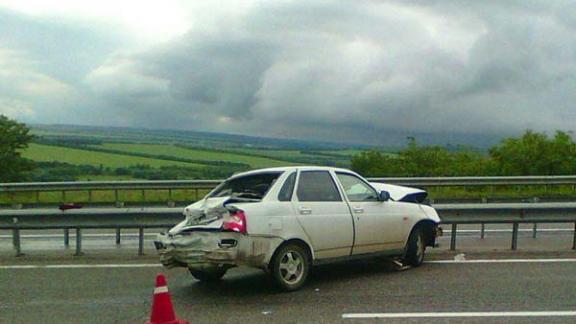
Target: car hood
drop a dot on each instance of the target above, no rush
(401, 193)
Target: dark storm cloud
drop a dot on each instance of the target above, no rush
(355, 71)
(66, 49)
(42, 64)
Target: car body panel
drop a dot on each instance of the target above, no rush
(328, 226)
(379, 226)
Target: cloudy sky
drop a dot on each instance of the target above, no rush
(353, 71)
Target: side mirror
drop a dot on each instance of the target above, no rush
(383, 195)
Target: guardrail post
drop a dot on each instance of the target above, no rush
(574, 240)
(141, 241)
(116, 200)
(143, 195)
(37, 194)
(118, 236)
(196, 194)
(514, 235)
(453, 237)
(534, 230)
(66, 237)
(16, 242)
(78, 242)
(482, 229)
(90, 196)
(63, 196)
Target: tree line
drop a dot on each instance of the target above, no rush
(533, 153)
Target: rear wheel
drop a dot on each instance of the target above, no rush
(290, 267)
(416, 248)
(208, 275)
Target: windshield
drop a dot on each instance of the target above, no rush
(250, 186)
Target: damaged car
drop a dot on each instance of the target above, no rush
(285, 220)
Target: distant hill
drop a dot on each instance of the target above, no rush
(195, 138)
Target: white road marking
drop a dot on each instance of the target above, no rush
(461, 314)
(80, 266)
(503, 261)
(152, 265)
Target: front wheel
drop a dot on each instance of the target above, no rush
(290, 267)
(208, 275)
(416, 248)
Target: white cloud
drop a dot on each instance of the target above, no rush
(27, 93)
(15, 108)
(120, 77)
(146, 20)
(21, 77)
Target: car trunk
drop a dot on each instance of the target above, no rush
(209, 214)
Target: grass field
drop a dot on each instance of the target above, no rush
(342, 157)
(48, 153)
(103, 197)
(196, 154)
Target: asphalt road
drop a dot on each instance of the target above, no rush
(123, 295)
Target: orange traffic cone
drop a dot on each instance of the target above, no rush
(162, 309)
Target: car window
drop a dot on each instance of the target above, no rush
(317, 186)
(251, 186)
(356, 189)
(287, 189)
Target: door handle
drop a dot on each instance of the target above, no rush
(358, 210)
(305, 210)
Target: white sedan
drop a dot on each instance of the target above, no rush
(284, 220)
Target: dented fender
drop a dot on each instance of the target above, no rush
(204, 249)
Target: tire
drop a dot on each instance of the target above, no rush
(208, 275)
(416, 248)
(290, 267)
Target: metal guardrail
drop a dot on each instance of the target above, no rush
(141, 218)
(479, 181)
(515, 214)
(89, 218)
(109, 185)
(170, 185)
(116, 186)
(208, 184)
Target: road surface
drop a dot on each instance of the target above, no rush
(99, 290)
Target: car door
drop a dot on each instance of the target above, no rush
(323, 214)
(379, 225)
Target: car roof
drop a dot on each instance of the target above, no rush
(289, 168)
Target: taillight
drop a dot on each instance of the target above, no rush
(235, 222)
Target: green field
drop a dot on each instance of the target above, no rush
(196, 154)
(69, 152)
(318, 157)
(49, 153)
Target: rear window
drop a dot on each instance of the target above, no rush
(253, 186)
